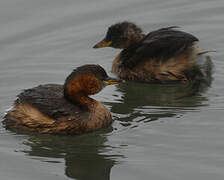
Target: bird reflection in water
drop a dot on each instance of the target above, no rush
(85, 156)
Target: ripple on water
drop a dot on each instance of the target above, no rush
(159, 131)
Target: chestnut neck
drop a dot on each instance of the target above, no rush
(76, 94)
(81, 100)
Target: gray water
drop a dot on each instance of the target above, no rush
(155, 134)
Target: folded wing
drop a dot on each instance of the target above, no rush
(161, 44)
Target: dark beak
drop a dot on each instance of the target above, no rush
(111, 81)
(103, 43)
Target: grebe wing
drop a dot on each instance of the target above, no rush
(160, 44)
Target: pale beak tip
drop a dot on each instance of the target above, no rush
(95, 46)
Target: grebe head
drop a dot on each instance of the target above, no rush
(121, 35)
(86, 80)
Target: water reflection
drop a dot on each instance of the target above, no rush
(85, 156)
(143, 102)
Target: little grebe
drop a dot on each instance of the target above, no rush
(163, 55)
(67, 109)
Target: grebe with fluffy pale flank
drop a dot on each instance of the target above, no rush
(163, 55)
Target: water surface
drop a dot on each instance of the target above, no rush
(159, 131)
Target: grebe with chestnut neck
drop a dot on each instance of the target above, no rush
(63, 109)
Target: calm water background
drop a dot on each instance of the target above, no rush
(155, 135)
